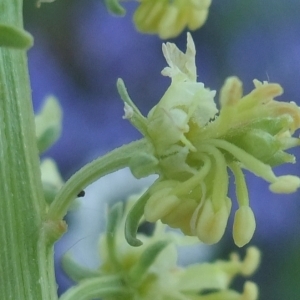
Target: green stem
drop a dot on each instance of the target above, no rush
(111, 162)
(26, 262)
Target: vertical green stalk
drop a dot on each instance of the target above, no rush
(26, 261)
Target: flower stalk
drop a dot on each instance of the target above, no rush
(111, 162)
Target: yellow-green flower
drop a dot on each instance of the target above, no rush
(194, 146)
(168, 18)
(151, 271)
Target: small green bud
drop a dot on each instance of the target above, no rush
(48, 124)
(51, 179)
(13, 37)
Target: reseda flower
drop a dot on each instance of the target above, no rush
(193, 146)
(168, 18)
(150, 271)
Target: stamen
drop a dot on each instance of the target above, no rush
(211, 225)
(220, 182)
(160, 204)
(194, 218)
(285, 184)
(180, 215)
(187, 186)
(243, 226)
(251, 261)
(250, 291)
(250, 162)
(241, 190)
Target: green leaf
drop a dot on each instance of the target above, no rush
(11, 36)
(115, 8)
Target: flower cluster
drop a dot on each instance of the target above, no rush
(151, 271)
(168, 18)
(194, 145)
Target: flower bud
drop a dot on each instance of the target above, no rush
(169, 18)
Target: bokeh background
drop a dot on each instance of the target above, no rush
(80, 50)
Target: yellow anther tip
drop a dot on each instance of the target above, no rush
(285, 184)
(251, 261)
(159, 205)
(243, 226)
(250, 291)
(211, 225)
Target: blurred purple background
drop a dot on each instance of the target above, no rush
(80, 51)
